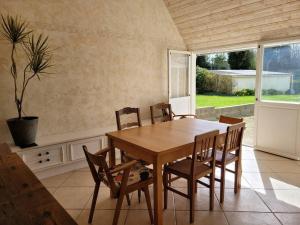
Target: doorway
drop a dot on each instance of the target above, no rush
(225, 85)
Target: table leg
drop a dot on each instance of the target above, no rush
(112, 153)
(112, 158)
(157, 191)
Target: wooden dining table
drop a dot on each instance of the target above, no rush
(159, 144)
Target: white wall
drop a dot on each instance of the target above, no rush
(279, 83)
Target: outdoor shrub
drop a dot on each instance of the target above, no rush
(205, 81)
(272, 92)
(245, 92)
(224, 85)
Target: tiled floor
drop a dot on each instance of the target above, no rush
(270, 195)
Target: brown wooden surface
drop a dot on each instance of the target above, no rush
(23, 198)
(4, 149)
(162, 143)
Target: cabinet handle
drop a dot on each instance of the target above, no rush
(40, 161)
(40, 154)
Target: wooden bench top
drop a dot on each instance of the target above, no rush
(23, 198)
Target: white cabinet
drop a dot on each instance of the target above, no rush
(43, 157)
(52, 159)
(76, 151)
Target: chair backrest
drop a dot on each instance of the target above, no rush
(161, 112)
(127, 111)
(204, 149)
(103, 173)
(230, 120)
(234, 138)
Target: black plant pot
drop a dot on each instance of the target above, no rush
(23, 130)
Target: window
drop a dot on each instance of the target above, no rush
(281, 73)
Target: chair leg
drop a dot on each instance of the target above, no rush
(128, 200)
(222, 186)
(118, 209)
(237, 177)
(165, 182)
(192, 200)
(148, 200)
(211, 191)
(139, 195)
(95, 196)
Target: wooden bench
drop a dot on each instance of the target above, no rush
(23, 198)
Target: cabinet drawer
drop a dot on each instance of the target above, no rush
(43, 157)
(76, 151)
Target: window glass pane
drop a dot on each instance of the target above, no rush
(179, 75)
(281, 73)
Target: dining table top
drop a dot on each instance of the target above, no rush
(161, 137)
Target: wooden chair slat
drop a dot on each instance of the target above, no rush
(200, 165)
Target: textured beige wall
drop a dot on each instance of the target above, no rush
(110, 54)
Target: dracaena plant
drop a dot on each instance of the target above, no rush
(36, 48)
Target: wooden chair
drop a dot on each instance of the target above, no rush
(192, 169)
(230, 153)
(121, 126)
(230, 120)
(162, 112)
(122, 180)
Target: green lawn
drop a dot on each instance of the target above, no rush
(222, 101)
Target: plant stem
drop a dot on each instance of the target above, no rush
(13, 71)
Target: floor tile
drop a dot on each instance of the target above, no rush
(79, 179)
(73, 197)
(256, 166)
(268, 181)
(180, 183)
(201, 218)
(289, 218)
(251, 218)
(289, 166)
(101, 217)
(137, 217)
(281, 200)
(143, 204)
(245, 200)
(104, 201)
(229, 180)
(293, 179)
(74, 213)
(201, 202)
(51, 190)
(56, 181)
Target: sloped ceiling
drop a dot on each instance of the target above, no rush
(207, 24)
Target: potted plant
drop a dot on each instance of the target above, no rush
(38, 55)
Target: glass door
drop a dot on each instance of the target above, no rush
(277, 111)
(180, 82)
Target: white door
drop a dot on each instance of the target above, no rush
(277, 108)
(181, 82)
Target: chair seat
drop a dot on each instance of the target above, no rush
(183, 168)
(229, 156)
(134, 176)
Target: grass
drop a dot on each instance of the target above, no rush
(222, 101)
